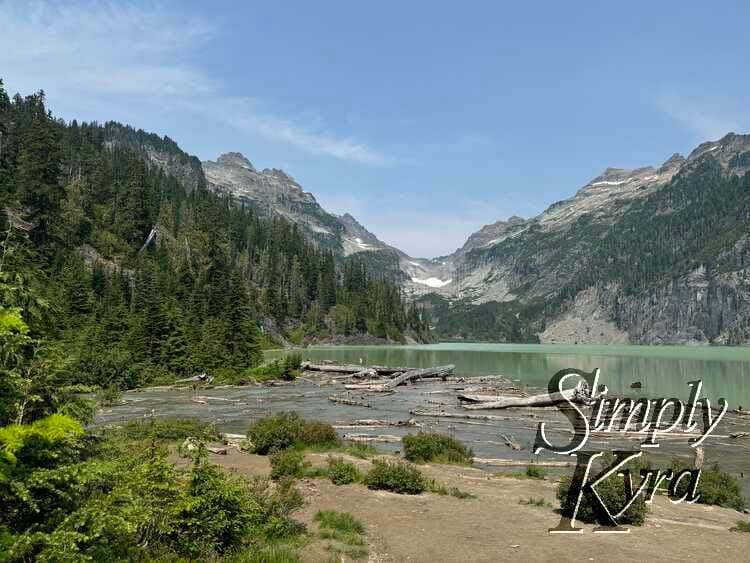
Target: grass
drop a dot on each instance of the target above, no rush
(536, 471)
(540, 502)
(345, 532)
(741, 527)
(358, 450)
(440, 489)
(532, 472)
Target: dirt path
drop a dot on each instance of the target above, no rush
(495, 527)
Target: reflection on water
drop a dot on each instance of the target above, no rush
(663, 371)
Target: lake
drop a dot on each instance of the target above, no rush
(664, 371)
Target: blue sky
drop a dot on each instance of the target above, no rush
(425, 120)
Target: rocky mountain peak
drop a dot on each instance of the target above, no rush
(235, 159)
(673, 162)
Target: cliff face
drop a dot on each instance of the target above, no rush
(650, 256)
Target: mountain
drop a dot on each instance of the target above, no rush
(648, 256)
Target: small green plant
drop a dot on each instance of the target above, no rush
(344, 528)
(287, 463)
(540, 502)
(272, 554)
(286, 429)
(429, 447)
(396, 476)
(612, 493)
(535, 471)
(342, 472)
(109, 396)
(741, 526)
(440, 489)
(361, 451)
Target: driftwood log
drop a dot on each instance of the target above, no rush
(440, 372)
(579, 393)
(352, 369)
(348, 401)
(371, 438)
(518, 462)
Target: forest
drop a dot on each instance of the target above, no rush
(122, 275)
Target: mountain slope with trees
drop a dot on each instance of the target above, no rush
(140, 275)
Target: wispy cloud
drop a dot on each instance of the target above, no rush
(707, 118)
(115, 54)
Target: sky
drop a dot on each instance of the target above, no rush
(424, 120)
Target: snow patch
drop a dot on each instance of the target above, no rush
(320, 230)
(610, 183)
(432, 282)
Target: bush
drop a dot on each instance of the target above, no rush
(536, 472)
(342, 472)
(109, 396)
(170, 429)
(715, 487)
(277, 505)
(321, 434)
(612, 493)
(287, 463)
(285, 430)
(433, 447)
(277, 432)
(740, 527)
(396, 476)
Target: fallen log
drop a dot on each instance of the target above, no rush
(579, 393)
(351, 369)
(487, 397)
(511, 442)
(375, 423)
(441, 372)
(439, 414)
(518, 462)
(348, 401)
(372, 438)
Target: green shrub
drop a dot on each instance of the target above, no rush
(169, 429)
(277, 504)
(715, 487)
(276, 432)
(395, 476)
(342, 472)
(287, 463)
(285, 430)
(433, 447)
(316, 433)
(109, 396)
(612, 493)
(740, 527)
(536, 471)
